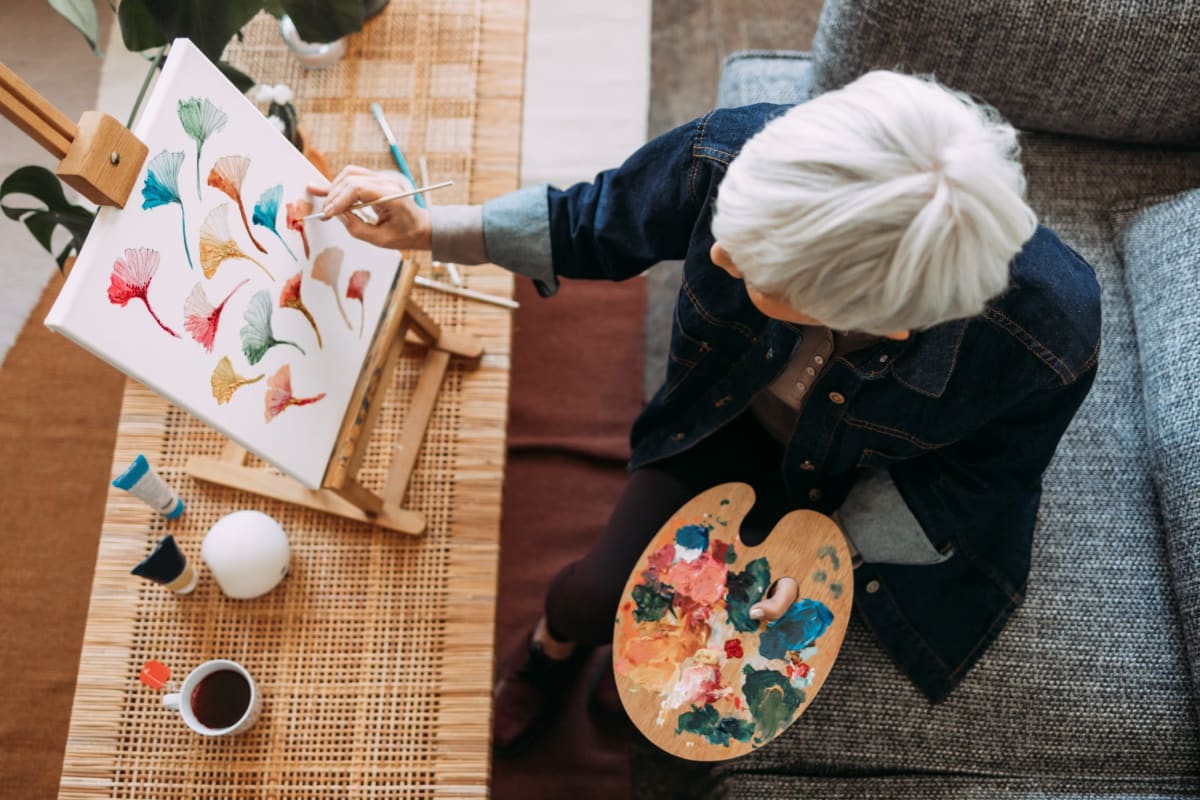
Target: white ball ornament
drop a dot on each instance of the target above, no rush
(247, 552)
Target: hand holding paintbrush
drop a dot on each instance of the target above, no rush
(401, 224)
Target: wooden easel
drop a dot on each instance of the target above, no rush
(102, 159)
(404, 322)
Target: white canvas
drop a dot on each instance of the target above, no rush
(156, 331)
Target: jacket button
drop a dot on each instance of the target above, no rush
(837, 398)
(808, 466)
(872, 587)
(678, 437)
(770, 353)
(814, 494)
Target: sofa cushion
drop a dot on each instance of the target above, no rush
(1161, 250)
(764, 76)
(1110, 69)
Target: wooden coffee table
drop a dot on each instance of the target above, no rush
(374, 656)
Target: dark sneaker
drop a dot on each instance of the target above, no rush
(604, 701)
(528, 691)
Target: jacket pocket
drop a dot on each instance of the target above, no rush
(687, 351)
(879, 459)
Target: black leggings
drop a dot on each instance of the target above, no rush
(581, 604)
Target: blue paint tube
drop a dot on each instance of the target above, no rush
(167, 565)
(141, 481)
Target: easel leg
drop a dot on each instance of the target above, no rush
(416, 423)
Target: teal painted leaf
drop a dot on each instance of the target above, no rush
(257, 336)
(161, 187)
(266, 212)
(200, 118)
(162, 179)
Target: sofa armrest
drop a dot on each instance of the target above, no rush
(1160, 247)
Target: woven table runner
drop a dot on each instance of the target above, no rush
(374, 655)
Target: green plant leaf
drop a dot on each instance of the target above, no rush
(81, 14)
(42, 227)
(139, 29)
(40, 184)
(37, 182)
(210, 25)
(274, 8)
(325, 20)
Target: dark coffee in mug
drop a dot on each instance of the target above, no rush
(221, 698)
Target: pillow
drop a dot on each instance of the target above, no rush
(1116, 69)
(1160, 247)
(764, 76)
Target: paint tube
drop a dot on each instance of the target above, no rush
(141, 481)
(167, 565)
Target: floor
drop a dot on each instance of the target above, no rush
(690, 39)
(70, 82)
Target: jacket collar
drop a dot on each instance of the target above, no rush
(923, 362)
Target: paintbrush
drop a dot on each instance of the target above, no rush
(377, 113)
(387, 199)
(463, 292)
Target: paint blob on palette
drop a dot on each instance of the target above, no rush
(209, 288)
(699, 676)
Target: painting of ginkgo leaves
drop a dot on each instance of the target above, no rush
(210, 289)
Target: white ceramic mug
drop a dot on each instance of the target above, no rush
(181, 701)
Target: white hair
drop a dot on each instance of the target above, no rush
(891, 204)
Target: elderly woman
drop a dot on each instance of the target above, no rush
(871, 322)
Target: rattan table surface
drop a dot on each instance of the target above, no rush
(374, 655)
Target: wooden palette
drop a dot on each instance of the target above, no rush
(698, 676)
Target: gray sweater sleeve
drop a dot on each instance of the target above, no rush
(512, 231)
(882, 527)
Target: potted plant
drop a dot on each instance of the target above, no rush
(150, 25)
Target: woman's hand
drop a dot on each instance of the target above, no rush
(402, 225)
(778, 599)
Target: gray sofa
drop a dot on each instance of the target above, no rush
(1093, 689)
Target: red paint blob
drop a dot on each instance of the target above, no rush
(733, 648)
(719, 549)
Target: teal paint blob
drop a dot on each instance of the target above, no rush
(744, 589)
(831, 553)
(772, 701)
(692, 537)
(819, 576)
(836, 590)
(652, 602)
(730, 555)
(799, 627)
(712, 726)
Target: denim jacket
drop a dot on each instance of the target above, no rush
(952, 428)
